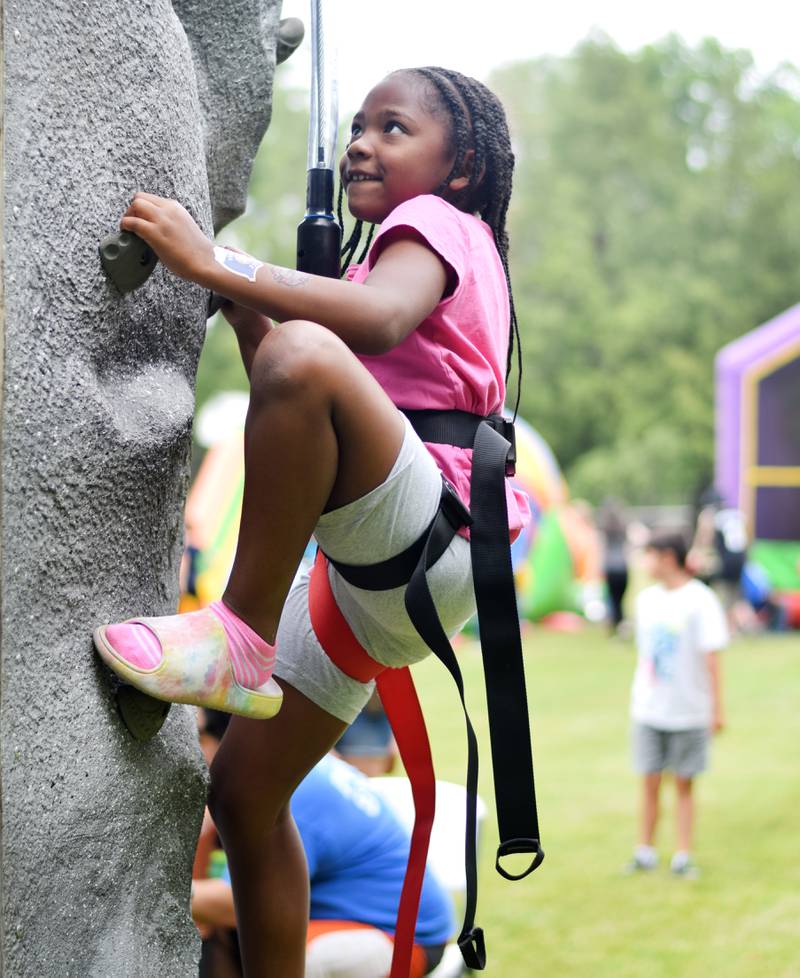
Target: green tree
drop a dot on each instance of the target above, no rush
(654, 219)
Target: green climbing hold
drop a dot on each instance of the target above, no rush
(127, 260)
(141, 714)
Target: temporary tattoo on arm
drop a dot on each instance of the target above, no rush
(237, 262)
(288, 276)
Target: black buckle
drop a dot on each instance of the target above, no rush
(512, 846)
(451, 505)
(505, 427)
(473, 949)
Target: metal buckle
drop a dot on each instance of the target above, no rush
(455, 512)
(505, 427)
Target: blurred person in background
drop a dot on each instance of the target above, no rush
(211, 900)
(357, 852)
(368, 743)
(676, 699)
(718, 553)
(765, 610)
(612, 524)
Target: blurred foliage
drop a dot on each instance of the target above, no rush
(655, 218)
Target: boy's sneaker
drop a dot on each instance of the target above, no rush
(645, 860)
(683, 866)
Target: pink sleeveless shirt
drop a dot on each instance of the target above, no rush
(456, 357)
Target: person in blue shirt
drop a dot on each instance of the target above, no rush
(357, 852)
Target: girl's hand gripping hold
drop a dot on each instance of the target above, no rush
(172, 233)
(406, 283)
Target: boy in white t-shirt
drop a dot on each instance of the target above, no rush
(676, 700)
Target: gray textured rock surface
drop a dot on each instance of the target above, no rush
(233, 45)
(98, 830)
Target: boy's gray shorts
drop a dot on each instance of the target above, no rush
(683, 751)
(383, 523)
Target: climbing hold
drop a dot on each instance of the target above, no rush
(290, 37)
(141, 714)
(215, 303)
(127, 260)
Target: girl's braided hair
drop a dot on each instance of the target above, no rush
(477, 122)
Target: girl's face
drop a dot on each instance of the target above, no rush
(398, 149)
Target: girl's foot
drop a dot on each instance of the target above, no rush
(207, 658)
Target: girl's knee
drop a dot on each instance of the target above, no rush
(297, 357)
(238, 803)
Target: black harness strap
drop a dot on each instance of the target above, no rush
(422, 612)
(460, 428)
(397, 570)
(501, 648)
(493, 458)
(492, 442)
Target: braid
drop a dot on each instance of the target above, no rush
(365, 249)
(351, 245)
(478, 122)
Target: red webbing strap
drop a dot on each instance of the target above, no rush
(400, 701)
(331, 628)
(399, 698)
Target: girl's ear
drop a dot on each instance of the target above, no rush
(461, 182)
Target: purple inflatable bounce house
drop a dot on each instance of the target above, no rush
(758, 440)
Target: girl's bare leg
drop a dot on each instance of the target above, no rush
(257, 767)
(320, 433)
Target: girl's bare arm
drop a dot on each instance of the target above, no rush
(212, 903)
(405, 285)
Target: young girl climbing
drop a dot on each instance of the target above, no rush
(421, 323)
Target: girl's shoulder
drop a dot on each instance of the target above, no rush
(452, 233)
(458, 238)
(430, 208)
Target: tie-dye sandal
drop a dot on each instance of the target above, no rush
(195, 666)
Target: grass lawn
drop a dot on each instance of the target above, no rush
(577, 916)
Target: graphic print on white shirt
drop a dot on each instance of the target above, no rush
(661, 648)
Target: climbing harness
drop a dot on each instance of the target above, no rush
(492, 442)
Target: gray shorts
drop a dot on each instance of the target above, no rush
(379, 525)
(683, 751)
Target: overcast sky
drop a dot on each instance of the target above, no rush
(376, 36)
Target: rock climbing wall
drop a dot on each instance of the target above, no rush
(98, 829)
